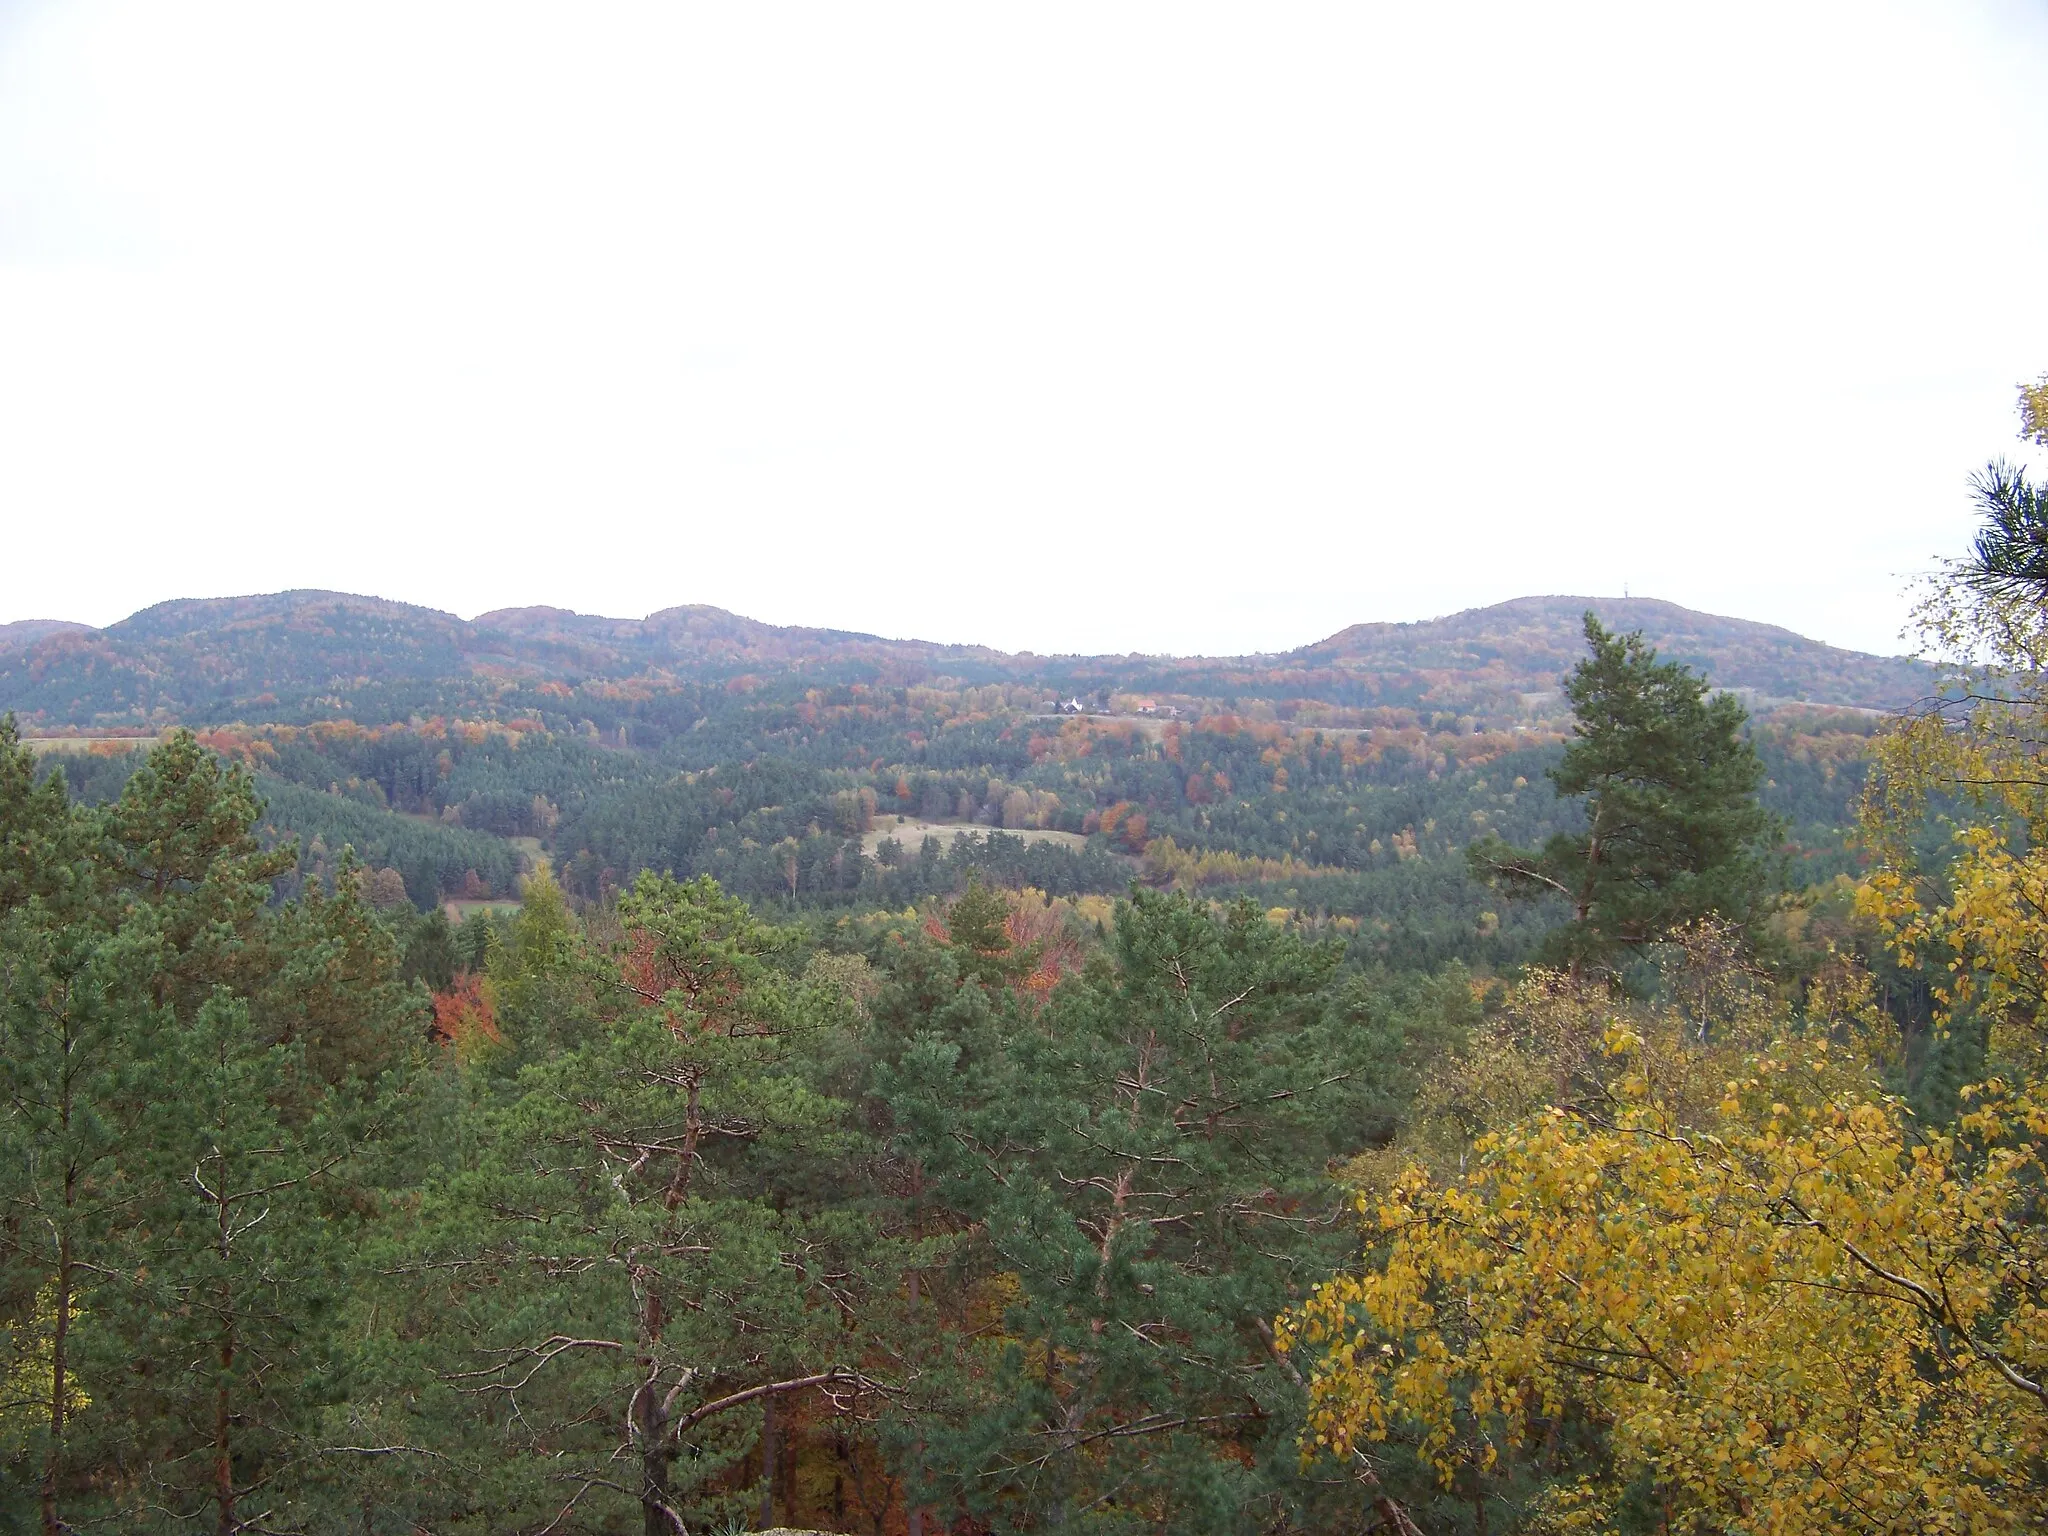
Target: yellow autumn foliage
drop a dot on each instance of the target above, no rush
(1187, 869)
(1779, 1307)
(28, 1373)
(1797, 1312)
(1976, 918)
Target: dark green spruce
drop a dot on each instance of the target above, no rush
(1673, 829)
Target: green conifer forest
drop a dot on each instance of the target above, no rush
(783, 1098)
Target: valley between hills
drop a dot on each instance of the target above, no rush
(833, 771)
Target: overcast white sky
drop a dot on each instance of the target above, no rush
(1062, 327)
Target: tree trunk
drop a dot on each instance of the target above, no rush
(770, 1451)
(839, 1478)
(650, 1420)
(1582, 908)
(223, 1445)
(60, 1362)
(657, 1516)
(693, 1137)
(1393, 1517)
(223, 1393)
(914, 1521)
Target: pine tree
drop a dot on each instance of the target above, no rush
(977, 928)
(1139, 1165)
(183, 841)
(77, 1034)
(39, 851)
(333, 986)
(1673, 828)
(172, 1215)
(630, 1261)
(77, 1028)
(244, 1227)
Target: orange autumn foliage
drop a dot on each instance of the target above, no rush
(1034, 923)
(465, 1016)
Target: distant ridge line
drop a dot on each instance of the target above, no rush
(314, 654)
(537, 616)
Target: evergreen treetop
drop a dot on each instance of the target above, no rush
(1673, 828)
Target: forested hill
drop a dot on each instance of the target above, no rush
(1524, 645)
(300, 656)
(308, 655)
(24, 632)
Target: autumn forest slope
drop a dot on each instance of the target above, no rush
(296, 657)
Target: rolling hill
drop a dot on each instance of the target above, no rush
(28, 631)
(1522, 646)
(307, 655)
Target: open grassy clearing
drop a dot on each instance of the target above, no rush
(110, 745)
(910, 831)
(458, 910)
